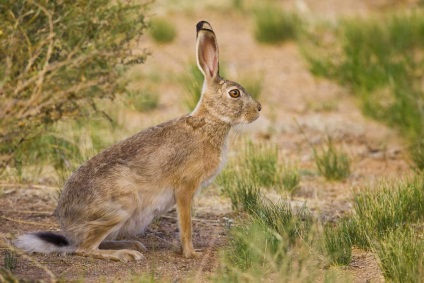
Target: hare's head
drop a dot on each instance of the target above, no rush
(223, 99)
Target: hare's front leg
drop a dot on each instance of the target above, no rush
(184, 199)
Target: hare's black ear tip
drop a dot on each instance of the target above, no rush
(203, 25)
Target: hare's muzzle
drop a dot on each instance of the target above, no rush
(259, 106)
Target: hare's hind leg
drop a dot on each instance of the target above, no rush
(124, 255)
(119, 245)
(113, 250)
(94, 233)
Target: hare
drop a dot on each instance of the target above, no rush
(122, 189)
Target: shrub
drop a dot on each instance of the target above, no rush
(57, 58)
(162, 31)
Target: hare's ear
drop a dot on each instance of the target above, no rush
(207, 50)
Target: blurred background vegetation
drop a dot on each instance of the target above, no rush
(58, 58)
(67, 80)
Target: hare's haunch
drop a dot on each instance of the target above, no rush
(119, 191)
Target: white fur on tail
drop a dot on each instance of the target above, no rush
(32, 243)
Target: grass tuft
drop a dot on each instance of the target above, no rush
(290, 178)
(143, 101)
(48, 147)
(10, 260)
(162, 31)
(192, 83)
(337, 242)
(275, 26)
(417, 154)
(270, 231)
(401, 255)
(332, 163)
(259, 168)
(277, 228)
(381, 60)
(261, 162)
(244, 195)
(389, 221)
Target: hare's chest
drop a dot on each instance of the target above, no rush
(217, 164)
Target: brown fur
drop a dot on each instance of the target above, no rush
(119, 191)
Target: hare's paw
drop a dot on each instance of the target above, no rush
(129, 255)
(138, 246)
(116, 255)
(119, 245)
(191, 253)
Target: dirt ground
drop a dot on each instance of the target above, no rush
(291, 97)
(162, 260)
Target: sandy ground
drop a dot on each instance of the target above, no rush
(292, 99)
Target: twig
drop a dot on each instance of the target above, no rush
(27, 211)
(39, 84)
(193, 219)
(166, 241)
(206, 257)
(28, 222)
(26, 186)
(302, 131)
(34, 261)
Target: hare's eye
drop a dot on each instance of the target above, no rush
(234, 93)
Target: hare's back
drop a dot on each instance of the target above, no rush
(144, 158)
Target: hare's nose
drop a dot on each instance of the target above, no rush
(259, 107)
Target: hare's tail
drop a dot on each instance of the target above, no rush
(44, 242)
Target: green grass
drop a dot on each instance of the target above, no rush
(337, 242)
(381, 60)
(47, 148)
(10, 260)
(6, 275)
(237, 4)
(192, 83)
(244, 195)
(390, 207)
(143, 101)
(245, 251)
(257, 166)
(64, 146)
(331, 162)
(401, 254)
(275, 26)
(417, 153)
(261, 161)
(388, 220)
(270, 233)
(324, 106)
(267, 235)
(253, 84)
(290, 178)
(162, 31)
